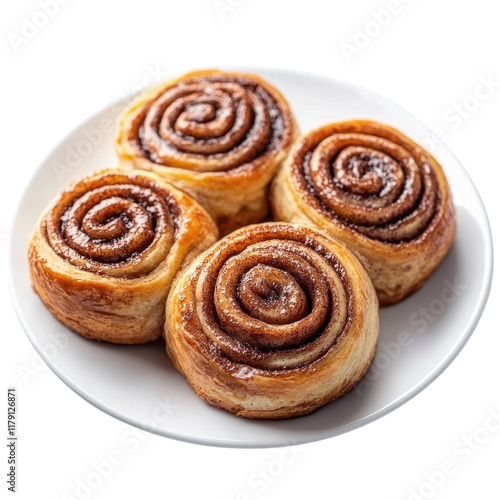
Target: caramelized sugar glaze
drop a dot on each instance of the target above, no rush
(268, 305)
(104, 253)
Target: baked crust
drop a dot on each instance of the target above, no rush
(273, 321)
(372, 188)
(218, 136)
(104, 253)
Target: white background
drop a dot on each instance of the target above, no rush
(430, 57)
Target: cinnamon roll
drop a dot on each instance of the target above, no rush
(372, 188)
(104, 253)
(219, 136)
(273, 321)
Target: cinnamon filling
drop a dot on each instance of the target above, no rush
(115, 224)
(210, 124)
(376, 183)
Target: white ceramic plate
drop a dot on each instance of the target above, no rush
(137, 384)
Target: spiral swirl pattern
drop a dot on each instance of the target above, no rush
(272, 297)
(113, 224)
(211, 123)
(369, 177)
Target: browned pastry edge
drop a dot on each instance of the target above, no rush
(117, 308)
(284, 412)
(245, 387)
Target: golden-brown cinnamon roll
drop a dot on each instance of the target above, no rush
(273, 321)
(218, 136)
(372, 188)
(104, 253)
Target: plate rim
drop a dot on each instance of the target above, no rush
(467, 331)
